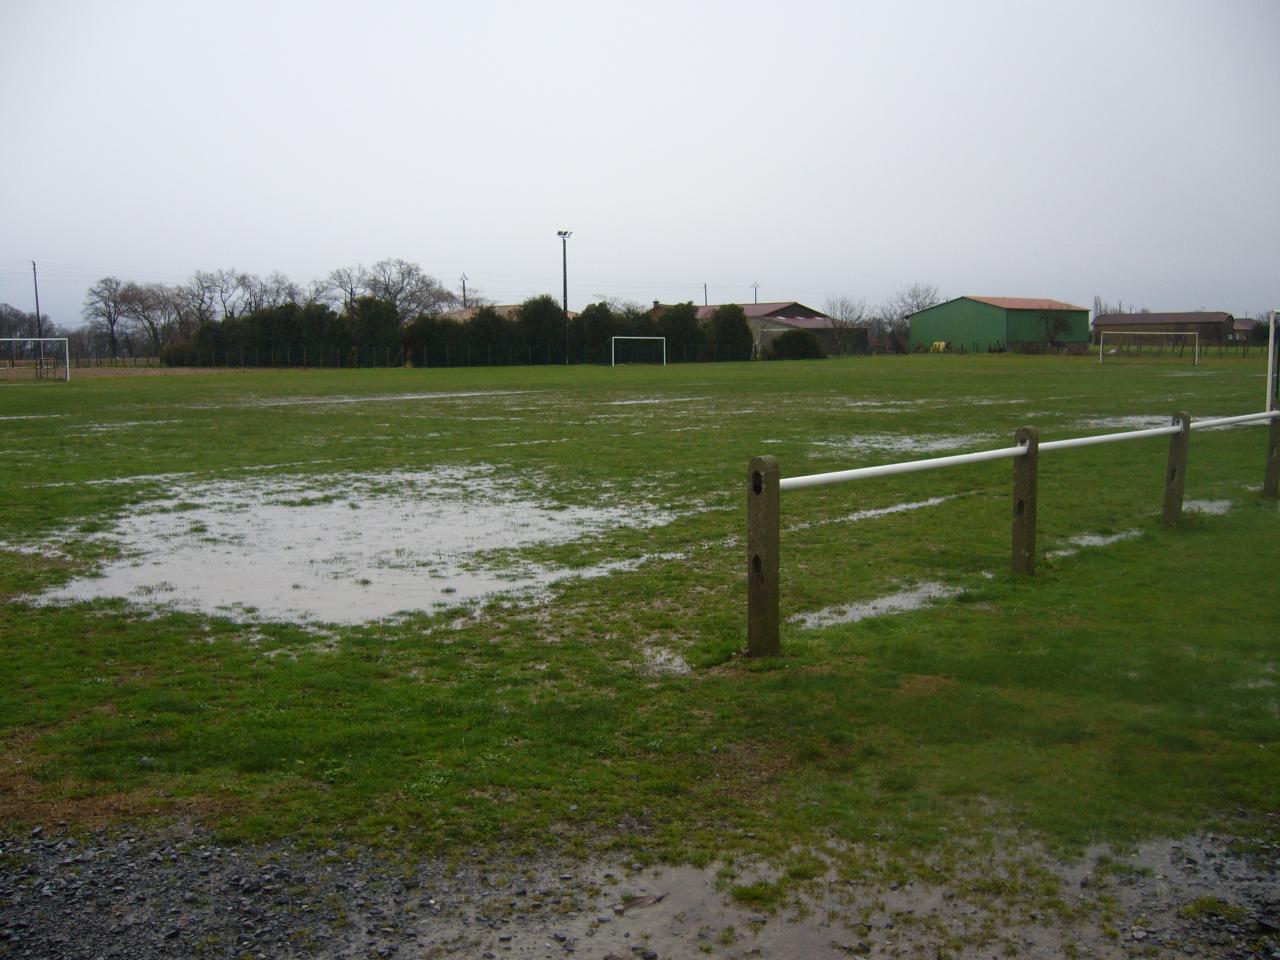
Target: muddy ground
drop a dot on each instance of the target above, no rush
(176, 892)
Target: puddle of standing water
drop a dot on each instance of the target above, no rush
(1092, 540)
(900, 444)
(345, 548)
(904, 601)
(1134, 422)
(1215, 508)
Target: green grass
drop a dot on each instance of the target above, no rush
(1125, 691)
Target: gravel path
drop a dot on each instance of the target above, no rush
(177, 893)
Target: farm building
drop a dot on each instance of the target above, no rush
(770, 320)
(1213, 326)
(508, 311)
(1243, 328)
(981, 324)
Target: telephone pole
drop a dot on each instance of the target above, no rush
(35, 283)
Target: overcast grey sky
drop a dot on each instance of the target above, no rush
(1129, 149)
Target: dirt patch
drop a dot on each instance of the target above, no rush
(23, 798)
(741, 768)
(920, 685)
(93, 373)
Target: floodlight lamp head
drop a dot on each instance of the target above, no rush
(564, 234)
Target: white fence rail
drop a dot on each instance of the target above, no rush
(764, 484)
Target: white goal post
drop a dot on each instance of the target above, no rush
(613, 348)
(44, 358)
(1102, 339)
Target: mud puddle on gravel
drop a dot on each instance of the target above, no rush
(345, 548)
(175, 893)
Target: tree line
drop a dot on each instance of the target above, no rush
(395, 313)
(388, 314)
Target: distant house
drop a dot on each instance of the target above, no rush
(1242, 329)
(982, 324)
(770, 320)
(508, 311)
(1213, 326)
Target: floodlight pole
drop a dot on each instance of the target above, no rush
(564, 236)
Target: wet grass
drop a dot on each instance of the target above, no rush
(1127, 690)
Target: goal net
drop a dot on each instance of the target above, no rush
(637, 350)
(1148, 343)
(35, 358)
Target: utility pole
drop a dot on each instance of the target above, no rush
(564, 236)
(35, 283)
(464, 291)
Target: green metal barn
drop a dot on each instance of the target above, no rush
(982, 324)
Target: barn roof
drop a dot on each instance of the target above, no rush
(804, 323)
(1131, 319)
(776, 310)
(1025, 303)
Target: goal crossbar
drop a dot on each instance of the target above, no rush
(613, 348)
(1102, 338)
(66, 350)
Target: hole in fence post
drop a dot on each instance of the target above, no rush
(1026, 470)
(1176, 475)
(762, 557)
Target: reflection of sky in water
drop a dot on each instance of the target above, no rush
(344, 549)
(869, 443)
(903, 601)
(1215, 507)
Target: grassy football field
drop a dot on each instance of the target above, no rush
(447, 609)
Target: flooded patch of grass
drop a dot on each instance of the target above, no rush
(345, 549)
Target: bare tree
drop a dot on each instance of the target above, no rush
(1101, 307)
(104, 310)
(16, 323)
(198, 299)
(152, 311)
(231, 289)
(407, 288)
(317, 292)
(345, 286)
(261, 293)
(215, 295)
(895, 312)
(847, 315)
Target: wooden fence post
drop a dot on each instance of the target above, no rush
(1271, 480)
(1176, 475)
(762, 557)
(1026, 469)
